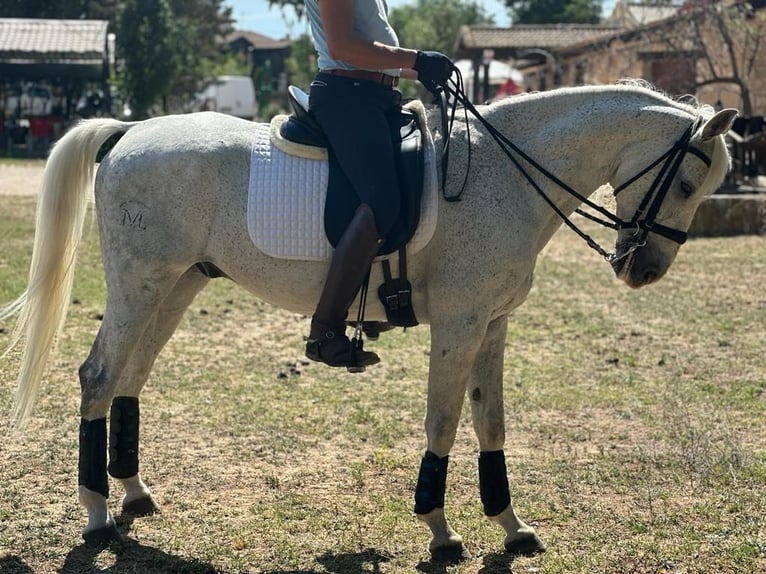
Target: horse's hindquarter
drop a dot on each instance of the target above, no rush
(160, 191)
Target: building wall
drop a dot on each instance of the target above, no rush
(670, 67)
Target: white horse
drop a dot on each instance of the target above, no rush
(190, 175)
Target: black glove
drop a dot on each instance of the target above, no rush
(433, 68)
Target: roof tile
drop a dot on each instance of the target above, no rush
(42, 39)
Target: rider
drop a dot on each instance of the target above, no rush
(351, 97)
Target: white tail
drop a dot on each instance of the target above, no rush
(61, 209)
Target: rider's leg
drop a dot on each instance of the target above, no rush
(349, 266)
(354, 115)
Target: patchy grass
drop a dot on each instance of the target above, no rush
(634, 422)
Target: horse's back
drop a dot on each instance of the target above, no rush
(197, 136)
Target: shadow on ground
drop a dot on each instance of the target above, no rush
(131, 556)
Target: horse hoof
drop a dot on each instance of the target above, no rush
(144, 506)
(102, 537)
(526, 546)
(451, 554)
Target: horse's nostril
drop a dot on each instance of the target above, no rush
(650, 276)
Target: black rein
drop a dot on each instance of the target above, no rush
(650, 204)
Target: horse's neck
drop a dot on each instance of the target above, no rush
(578, 136)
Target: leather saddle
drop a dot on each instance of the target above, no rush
(302, 128)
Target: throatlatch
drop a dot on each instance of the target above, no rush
(123, 437)
(493, 482)
(432, 483)
(92, 464)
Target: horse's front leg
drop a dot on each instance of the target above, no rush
(486, 392)
(453, 349)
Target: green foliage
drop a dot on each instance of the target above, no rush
(73, 9)
(555, 11)
(297, 4)
(434, 24)
(166, 49)
(146, 27)
(231, 64)
(301, 64)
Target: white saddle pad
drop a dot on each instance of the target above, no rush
(285, 204)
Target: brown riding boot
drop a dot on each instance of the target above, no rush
(327, 342)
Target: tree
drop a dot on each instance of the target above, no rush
(198, 27)
(147, 67)
(434, 24)
(554, 11)
(722, 41)
(426, 24)
(298, 5)
(71, 10)
(166, 49)
(301, 63)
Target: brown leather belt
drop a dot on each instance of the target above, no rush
(367, 75)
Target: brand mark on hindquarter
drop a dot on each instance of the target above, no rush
(132, 215)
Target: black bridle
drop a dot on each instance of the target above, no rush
(643, 221)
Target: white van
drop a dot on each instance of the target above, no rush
(233, 95)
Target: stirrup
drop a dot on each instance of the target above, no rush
(339, 350)
(372, 329)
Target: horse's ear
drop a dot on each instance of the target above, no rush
(719, 124)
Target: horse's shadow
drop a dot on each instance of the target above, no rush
(130, 555)
(14, 565)
(365, 561)
(370, 560)
(498, 563)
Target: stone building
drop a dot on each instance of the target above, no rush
(680, 49)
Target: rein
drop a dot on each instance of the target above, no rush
(650, 204)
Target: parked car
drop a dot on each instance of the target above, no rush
(233, 95)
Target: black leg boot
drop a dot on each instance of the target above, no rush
(351, 260)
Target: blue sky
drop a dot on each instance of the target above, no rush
(255, 15)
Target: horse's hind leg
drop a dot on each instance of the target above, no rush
(486, 392)
(132, 305)
(124, 412)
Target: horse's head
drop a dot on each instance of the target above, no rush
(657, 197)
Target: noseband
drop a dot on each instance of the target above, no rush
(645, 216)
(655, 195)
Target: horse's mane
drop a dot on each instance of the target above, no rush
(686, 103)
(689, 101)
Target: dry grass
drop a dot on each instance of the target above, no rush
(635, 432)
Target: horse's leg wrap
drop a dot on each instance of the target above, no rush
(92, 465)
(432, 483)
(493, 482)
(123, 437)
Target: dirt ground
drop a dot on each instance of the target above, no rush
(20, 178)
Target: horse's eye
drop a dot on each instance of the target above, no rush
(686, 189)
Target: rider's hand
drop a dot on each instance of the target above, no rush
(433, 68)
